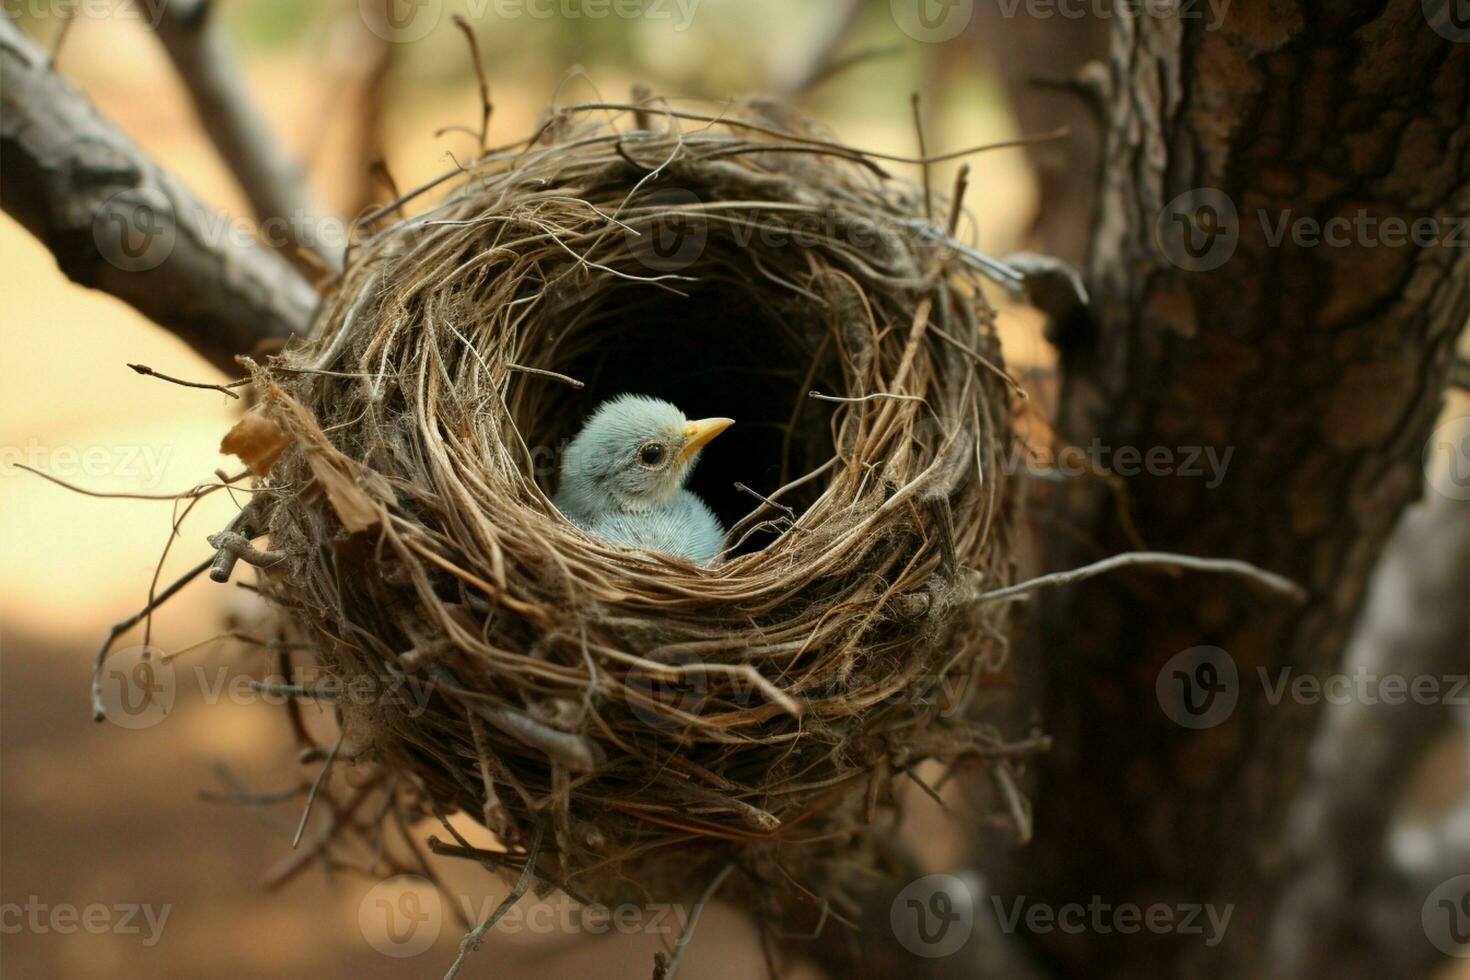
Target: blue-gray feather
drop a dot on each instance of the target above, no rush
(607, 492)
(685, 528)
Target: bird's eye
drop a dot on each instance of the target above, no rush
(651, 454)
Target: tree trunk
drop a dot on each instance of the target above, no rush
(1319, 367)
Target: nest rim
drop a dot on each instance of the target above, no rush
(424, 541)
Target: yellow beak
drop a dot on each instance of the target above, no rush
(699, 432)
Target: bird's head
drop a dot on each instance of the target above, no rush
(634, 453)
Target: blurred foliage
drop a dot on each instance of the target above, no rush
(698, 48)
(270, 23)
(709, 49)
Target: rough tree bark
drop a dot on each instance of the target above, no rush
(1322, 366)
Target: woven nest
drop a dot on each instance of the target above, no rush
(650, 721)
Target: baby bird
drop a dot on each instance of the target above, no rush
(622, 479)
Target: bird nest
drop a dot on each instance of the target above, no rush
(647, 721)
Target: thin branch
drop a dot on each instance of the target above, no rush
(541, 372)
(198, 491)
(486, 108)
(790, 512)
(68, 18)
(499, 860)
(117, 222)
(1152, 559)
(321, 778)
(572, 751)
(366, 92)
(855, 399)
(923, 154)
(99, 710)
(640, 94)
(957, 199)
(1091, 83)
(1019, 807)
(819, 61)
(847, 62)
(476, 935)
(148, 372)
(996, 270)
(1460, 373)
(273, 183)
(378, 172)
(301, 692)
(665, 971)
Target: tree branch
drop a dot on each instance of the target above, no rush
(118, 223)
(1350, 911)
(802, 73)
(274, 183)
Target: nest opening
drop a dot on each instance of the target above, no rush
(721, 350)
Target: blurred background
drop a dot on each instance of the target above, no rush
(100, 815)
